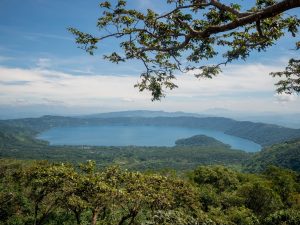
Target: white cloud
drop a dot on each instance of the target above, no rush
(239, 87)
(285, 98)
(73, 90)
(234, 80)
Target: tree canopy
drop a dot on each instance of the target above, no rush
(44, 193)
(190, 34)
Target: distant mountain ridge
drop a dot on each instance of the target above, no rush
(287, 120)
(142, 113)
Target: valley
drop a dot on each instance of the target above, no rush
(18, 140)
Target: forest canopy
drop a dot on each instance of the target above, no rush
(43, 193)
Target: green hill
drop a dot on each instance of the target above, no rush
(12, 137)
(285, 155)
(200, 140)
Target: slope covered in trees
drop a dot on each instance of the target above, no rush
(200, 140)
(285, 155)
(135, 158)
(43, 193)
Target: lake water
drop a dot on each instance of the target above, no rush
(136, 135)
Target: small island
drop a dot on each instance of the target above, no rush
(200, 140)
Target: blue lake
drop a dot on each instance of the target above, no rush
(136, 135)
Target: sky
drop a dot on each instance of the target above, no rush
(43, 72)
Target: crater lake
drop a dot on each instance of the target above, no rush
(115, 135)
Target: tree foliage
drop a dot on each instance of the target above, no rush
(291, 82)
(43, 193)
(190, 34)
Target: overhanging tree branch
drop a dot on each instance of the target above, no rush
(191, 31)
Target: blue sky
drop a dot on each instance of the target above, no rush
(42, 69)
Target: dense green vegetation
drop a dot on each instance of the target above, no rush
(137, 158)
(18, 137)
(44, 193)
(200, 140)
(285, 155)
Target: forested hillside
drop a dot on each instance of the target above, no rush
(200, 140)
(134, 158)
(285, 155)
(43, 193)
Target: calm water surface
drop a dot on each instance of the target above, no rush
(136, 135)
